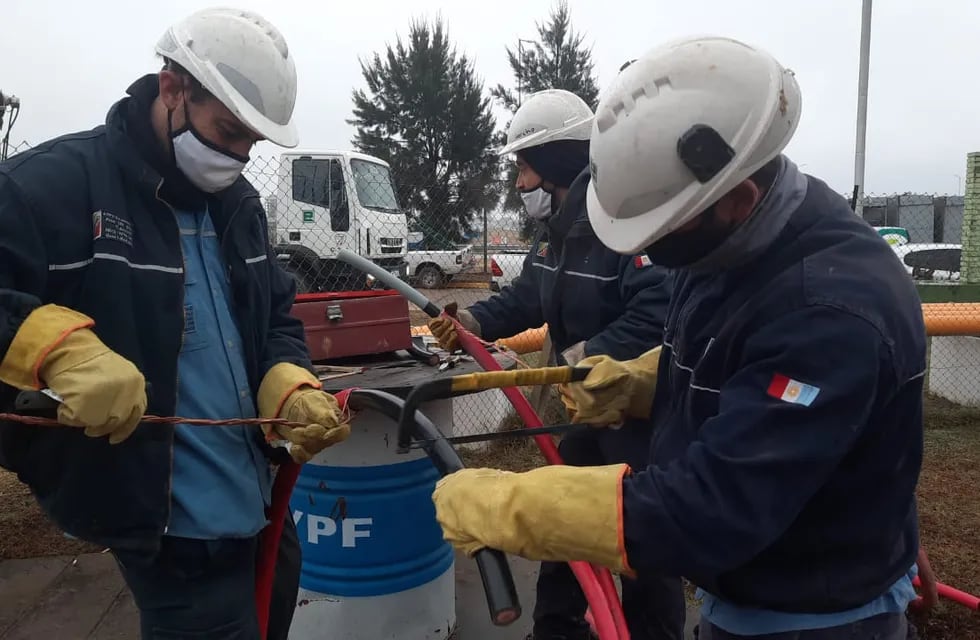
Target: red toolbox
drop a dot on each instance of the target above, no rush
(353, 323)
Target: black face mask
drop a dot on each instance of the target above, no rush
(684, 248)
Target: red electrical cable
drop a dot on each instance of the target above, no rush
(597, 583)
(265, 570)
(968, 600)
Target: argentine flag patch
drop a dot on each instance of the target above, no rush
(792, 391)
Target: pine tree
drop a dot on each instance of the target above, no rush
(425, 112)
(557, 59)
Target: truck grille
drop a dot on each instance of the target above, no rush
(392, 245)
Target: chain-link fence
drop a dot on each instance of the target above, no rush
(462, 249)
(13, 149)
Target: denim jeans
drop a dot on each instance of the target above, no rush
(205, 589)
(887, 626)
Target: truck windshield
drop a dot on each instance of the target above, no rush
(373, 184)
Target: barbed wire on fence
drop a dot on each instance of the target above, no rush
(318, 204)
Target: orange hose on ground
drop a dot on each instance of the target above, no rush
(529, 341)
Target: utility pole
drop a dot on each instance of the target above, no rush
(862, 110)
(520, 69)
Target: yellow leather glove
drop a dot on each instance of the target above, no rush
(444, 330)
(292, 393)
(101, 391)
(613, 390)
(554, 513)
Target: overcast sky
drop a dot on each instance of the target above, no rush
(69, 61)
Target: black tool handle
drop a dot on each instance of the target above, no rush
(498, 581)
(38, 403)
(35, 403)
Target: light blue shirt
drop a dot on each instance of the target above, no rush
(221, 480)
(750, 622)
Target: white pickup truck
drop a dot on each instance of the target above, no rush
(434, 269)
(505, 264)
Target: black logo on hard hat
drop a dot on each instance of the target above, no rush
(704, 152)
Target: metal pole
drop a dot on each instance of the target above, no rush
(486, 257)
(862, 110)
(520, 69)
(520, 72)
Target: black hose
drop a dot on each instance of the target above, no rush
(408, 418)
(498, 582)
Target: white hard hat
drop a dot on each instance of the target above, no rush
(679, 128)
(548, 116)
(244, 62)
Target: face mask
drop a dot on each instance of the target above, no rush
(681, 249)
(537, 203)
(208, 168)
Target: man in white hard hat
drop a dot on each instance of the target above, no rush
(787, 394)
(594, 301)
(135, 257)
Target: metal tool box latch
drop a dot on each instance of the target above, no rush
(334, 312)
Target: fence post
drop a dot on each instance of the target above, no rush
(939, 219)
(486, 233)
(971, 221)
(893, 205)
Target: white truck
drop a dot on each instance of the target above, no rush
(326, 201)
(506, 264)
(435, 269)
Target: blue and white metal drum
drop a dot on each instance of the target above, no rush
(375, 565)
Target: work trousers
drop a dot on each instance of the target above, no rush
(197, 589)
(887, 626)
(654, 605)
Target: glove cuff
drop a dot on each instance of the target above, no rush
(583, 495)
(279, 383)
(46, 328)
(644, 370)
(651, 359)
(469, 322)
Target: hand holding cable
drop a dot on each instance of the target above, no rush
(444, 330)
(480, 508)
(100, 391)
(97, 389)
(295, 395)
(614, 390)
